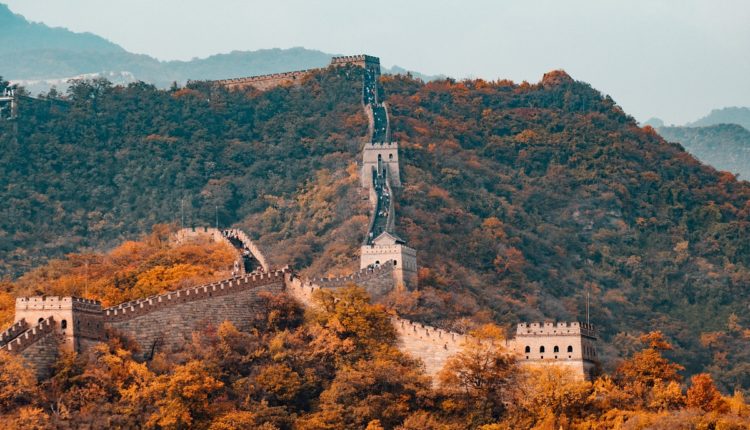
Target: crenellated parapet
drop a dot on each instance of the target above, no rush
(30, 336)
(266, 82)
(13, 331)
(138, 308)
(556, 329)
(271, 80)
(354, 278)
(570, 344)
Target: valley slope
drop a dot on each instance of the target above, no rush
(519, 198)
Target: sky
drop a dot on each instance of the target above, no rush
(675, 59)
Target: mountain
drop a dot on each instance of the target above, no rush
(18, 37)
(654, 122)
(521, 199)
(724, 146)
(727, 115)
(44, 57)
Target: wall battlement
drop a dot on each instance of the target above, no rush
(13, 331)
(39, 303)
(249, 244)
(29, 337)
(361, 60)
(271, 80)
(361, 275)
(142, 307)
(555, 329)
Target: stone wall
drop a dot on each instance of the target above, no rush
(39, 346)
(42, 354)
(378, 281)
(432, 345)
(166, 322)
(13, 331)
(252, 246)
(561, 344)
(266, 82)
(77, 319)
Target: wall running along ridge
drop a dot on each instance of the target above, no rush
(166, 322)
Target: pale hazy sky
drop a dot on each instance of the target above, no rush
(672, 59)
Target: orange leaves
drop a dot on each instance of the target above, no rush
(133, 269)
(511, 260)
(703, 394)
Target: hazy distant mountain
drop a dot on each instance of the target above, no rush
(727, 115)
(18, 36)
(44, 56)
(654, 122)
(724, 146)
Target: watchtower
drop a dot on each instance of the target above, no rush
(8, 104)
(381, 158)
(568, 344)
(389, 247)
(78, 321)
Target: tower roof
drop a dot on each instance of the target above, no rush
(386, 238)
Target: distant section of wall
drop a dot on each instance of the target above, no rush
(250, 245)
(266, 82)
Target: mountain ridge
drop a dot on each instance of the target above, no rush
(56, 54)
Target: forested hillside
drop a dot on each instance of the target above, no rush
(724, 146)
(519, 198)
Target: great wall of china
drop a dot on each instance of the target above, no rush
(166, 322)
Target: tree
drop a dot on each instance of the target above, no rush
(17, 383)
(480, 377)
(183, 397)
(703, 394)
(351, 327)
(648, 365)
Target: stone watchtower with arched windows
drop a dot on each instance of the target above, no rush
(559, 344)
(79, 322)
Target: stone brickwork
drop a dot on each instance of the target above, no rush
(77, 320)
(432, 345)
(13, 331)
(250, 245)
(39, 346)
(561, 344)
(42, 353)
(267, 82)
(166, 323)
(377, 280)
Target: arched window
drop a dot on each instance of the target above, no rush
(40, 320)
(557, 348)
(64, 324)
(570, 348)
(541, 349)
(380, 157)
(528, 349)
(390, 156)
